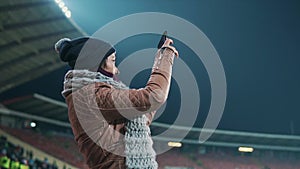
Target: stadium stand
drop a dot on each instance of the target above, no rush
(176, 158)
(271, 151)
(173, 158)
(61, 147)
(14, 157)
(226, 161)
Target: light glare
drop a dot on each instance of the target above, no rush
(246, 149)
(68, 14)
(174, 144)
(61, 4)
(32, 124)
(65, 9)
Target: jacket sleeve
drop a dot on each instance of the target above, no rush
(117, 104)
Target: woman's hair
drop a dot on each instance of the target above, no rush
(103, 63)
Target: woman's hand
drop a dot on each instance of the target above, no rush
(167, 44)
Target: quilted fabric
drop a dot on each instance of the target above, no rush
(98, 112)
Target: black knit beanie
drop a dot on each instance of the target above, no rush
(84, 52)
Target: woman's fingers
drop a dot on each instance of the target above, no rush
(168, 43)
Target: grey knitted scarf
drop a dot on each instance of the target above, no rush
(138, 142)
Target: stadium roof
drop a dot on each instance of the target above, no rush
(38, 106)
(44, 109)
(28, 31)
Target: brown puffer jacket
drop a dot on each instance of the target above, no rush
(97, 113)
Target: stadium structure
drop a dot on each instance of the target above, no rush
(35, 128)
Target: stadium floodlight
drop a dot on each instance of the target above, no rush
(246, 149)
(68, 14)
(32, 124)
(61, 4)
(64, 9)
(174, 144)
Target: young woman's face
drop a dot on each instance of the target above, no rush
(110, 65)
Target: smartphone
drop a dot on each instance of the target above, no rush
(162, 40)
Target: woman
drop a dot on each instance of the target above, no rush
(111, 122)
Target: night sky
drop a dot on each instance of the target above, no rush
(258, 43)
